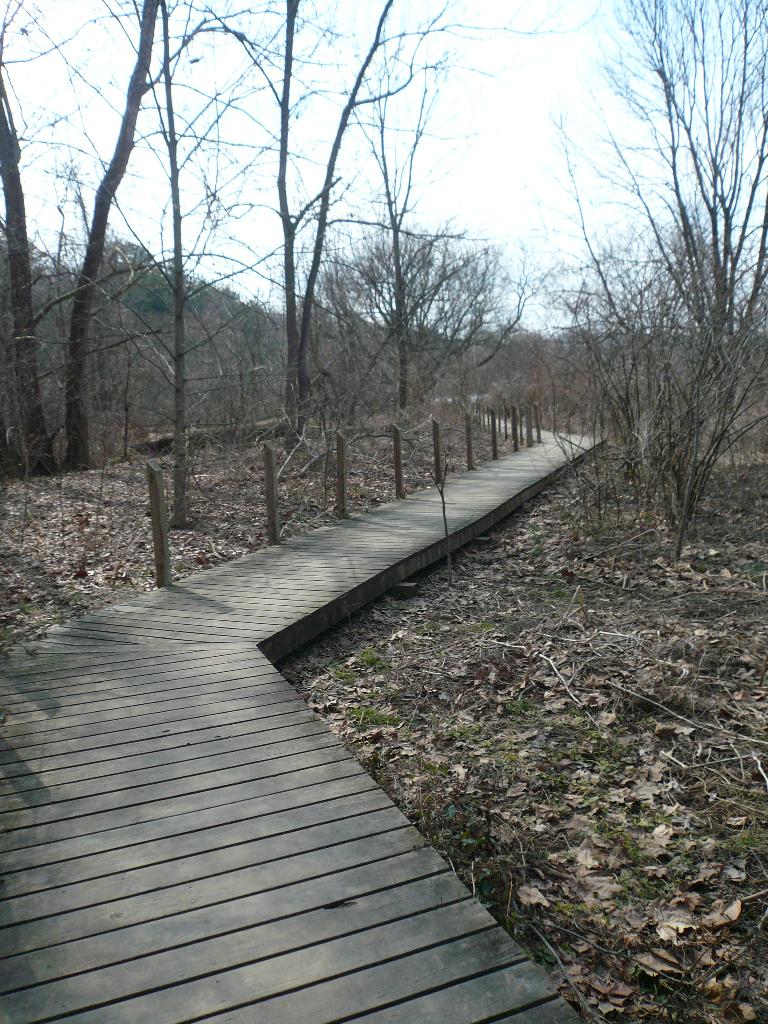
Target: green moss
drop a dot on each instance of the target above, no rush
(371, 659)
(369, 716)
(519, 707)
(464, 732)
(344, 674)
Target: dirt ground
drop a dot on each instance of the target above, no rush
(580, 729)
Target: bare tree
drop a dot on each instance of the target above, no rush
(398, 180)
(178, 288)
(293, 79)
(695, 74)
(77, 454)
(451, 297)
(299, 308)
(29, 445)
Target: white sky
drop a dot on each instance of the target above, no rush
(494, 165)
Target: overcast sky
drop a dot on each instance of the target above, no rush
(494, 165)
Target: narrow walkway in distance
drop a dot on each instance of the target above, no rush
(182, 839)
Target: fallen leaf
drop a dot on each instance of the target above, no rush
(659, 961)
(721, 915)
(530, 896)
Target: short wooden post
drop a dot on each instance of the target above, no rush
(436, 450)
(270, 495)
(468, 432)
(515, 431)
(341, 475)
(528, 427)
(505, 414)
(494, 438)
(537, 418)
(397, 442)
(159, 512)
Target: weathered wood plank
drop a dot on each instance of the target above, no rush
(205, 892)
(317, 892)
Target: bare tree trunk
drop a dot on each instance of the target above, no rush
(180, 500)
(77, 454)
(402, 373)
(32, 450)
(127, 404)
(288, 223)
(402, 333)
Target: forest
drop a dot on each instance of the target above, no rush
(220, 253)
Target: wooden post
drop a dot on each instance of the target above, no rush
(341, 475)
(515, 431)
(537, 418)
(437, 452)
(398, 454)
(270, 495)
(494, 438)
(506, 421)
(528, 427)
(159, 513)
(468, 432)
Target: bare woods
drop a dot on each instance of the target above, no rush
(226, 241)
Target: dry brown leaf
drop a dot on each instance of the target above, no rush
(659, 961)
(598, 887)
(735, 872)
(721, 915)
(585, 856)
(531, 896)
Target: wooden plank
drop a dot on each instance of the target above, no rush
(251, 722)
(61, 699)
(82, 725)
(235, 683)
(167, 807)
(413, 971)
(212, 956)
(247, 854)
(317, 892)
(36, 879)
(266, 979)
(337, 781)
(206, 892)
(482, 999)
(131, 781)
(110, 771)
(81, 811)
(201, 720)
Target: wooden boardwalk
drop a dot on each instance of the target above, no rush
(183, 840)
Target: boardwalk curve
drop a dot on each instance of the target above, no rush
(183, 840)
